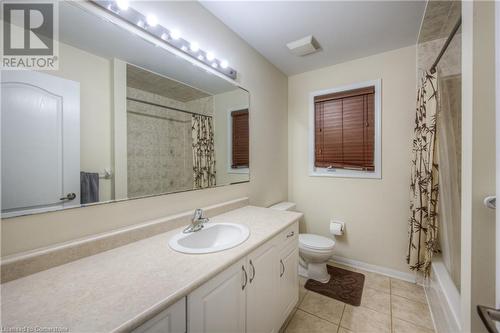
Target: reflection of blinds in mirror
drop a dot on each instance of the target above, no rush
(344, 129)
(240, 139)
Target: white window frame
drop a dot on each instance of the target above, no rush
(230, 169)
(339, 172)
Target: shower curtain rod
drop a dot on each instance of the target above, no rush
(446, 44)
(166, 107)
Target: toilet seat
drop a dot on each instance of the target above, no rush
(315, 242)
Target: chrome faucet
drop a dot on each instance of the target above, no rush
(196, 222)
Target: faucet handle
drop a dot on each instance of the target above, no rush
(198, 214)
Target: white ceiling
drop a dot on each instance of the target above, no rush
(345, 29)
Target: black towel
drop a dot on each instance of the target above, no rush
(89, 187)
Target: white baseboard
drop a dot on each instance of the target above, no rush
(375, 269)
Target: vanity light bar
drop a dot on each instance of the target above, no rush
(149, 24)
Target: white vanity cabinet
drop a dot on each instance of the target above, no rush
(256, 294)
(219, 304)
(171, 320)
(261, 289)
(288, 295)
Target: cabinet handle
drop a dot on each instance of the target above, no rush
(283, 267)
(246, 278)
(290, 234)
(68, 197)
(253, 271)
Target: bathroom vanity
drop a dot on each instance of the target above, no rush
(146, 286)
(144, 116)
(255, 294)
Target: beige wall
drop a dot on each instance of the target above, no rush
(223, 104)
(268, 152)
(478, 161)
(375, 211)
(95, 109)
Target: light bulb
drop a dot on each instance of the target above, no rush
(122, 4)
(210, 56)
(214, 65)
(194, 46)
(184, 48)
(176, 34)
(164, 36)
(141, 24)
(224, 64)
(200, 57)
(151, 20)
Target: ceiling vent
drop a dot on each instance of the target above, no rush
(303, 46)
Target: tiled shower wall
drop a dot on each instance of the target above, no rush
(159, 143)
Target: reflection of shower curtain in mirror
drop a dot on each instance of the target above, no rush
(203, 151)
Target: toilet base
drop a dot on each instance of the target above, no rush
(315, 271)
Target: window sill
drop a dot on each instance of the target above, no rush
(342, 173)
(239, 171)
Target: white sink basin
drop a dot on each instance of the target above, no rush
(212, 238)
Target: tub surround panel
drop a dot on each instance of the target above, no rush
(94, 293)
(30, 262)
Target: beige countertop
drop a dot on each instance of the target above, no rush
(119, 289)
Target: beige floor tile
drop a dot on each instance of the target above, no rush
(377, 281)
(303, 322)
(323, 307)
(408, 290)
(401, 326)
(361, 319)
(376, 300)
(344, 330)
(412, 311)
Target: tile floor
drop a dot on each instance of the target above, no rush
(388, 305)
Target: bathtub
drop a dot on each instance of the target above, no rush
(444, 298)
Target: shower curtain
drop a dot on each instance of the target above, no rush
(203, 151)
(423, 228)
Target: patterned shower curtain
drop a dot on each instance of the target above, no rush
(203, 151)
(423, 227)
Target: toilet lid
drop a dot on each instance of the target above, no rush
(316, 242)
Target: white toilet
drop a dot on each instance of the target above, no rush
(314, 251)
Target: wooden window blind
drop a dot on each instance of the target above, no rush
(344, 129)
(240, 139)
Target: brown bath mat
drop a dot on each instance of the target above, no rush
(344, 285)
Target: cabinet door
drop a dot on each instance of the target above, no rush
(261, 291)
(171, 320)
(218, 306)
(288, 282)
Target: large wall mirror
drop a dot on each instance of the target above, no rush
(121, 118)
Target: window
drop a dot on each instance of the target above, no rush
(239, 140)
(345, 126)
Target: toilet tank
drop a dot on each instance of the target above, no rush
(290, 206)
